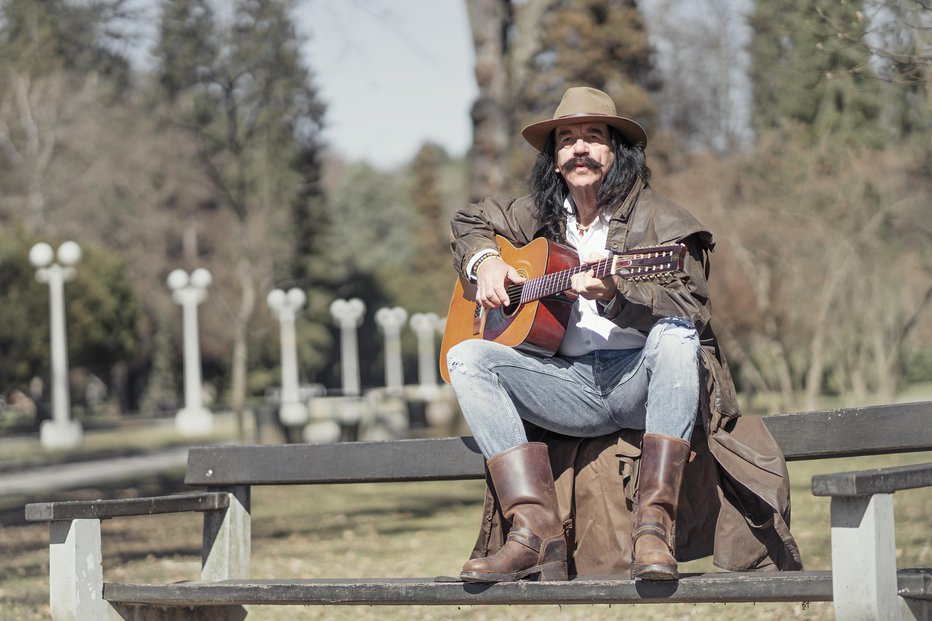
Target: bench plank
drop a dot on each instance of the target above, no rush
(808, 435)
(803, 586)
(871, 430)
(121, 507)
(444, 459)
(875, 481)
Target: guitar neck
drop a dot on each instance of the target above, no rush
(558, 282)
(634, 265)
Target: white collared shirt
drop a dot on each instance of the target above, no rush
(587, 330)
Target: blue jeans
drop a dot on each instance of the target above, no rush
(655, 388)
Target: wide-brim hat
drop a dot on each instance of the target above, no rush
(582, 104)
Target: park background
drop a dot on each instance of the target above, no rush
(264, 140)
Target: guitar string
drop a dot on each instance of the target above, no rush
(537, 288)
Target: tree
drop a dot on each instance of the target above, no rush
(805, 73)
(56, 34)
(251, 108)
(186, 47)
(898, 39)
(824, 277)
(105, 323)
(430, 265)
(56, 61)
(528, 53)
(701, 54)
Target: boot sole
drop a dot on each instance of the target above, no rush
(658, 572)
(545, 573)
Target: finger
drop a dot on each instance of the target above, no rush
(515, 276)
(501, 295)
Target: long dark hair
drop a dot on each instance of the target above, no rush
(549, 189)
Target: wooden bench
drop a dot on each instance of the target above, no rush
(864, 584)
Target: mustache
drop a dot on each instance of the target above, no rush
(585, 160)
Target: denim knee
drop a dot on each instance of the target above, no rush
(676, 336)
(466, 355)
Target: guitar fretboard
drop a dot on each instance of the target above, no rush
(636, 265)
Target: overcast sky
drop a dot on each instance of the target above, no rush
(394, 74)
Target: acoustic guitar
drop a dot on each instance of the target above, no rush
(536, 318)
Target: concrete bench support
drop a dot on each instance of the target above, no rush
(864, 572)
(227, 538)
(864, 558)
(76, 575)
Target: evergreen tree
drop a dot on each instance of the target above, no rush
(591, 43)
(57, 34)
(808, 70)
(186, 47)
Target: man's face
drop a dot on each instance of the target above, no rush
(584, 154)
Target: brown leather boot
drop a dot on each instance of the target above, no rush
(663, 459)
(535, 544)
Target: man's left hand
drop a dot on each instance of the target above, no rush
(592, 288)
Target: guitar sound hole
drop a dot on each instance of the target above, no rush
(511, 309)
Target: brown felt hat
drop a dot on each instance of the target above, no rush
(582, 104)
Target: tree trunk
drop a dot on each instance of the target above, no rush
(244, 270)
(488, 21)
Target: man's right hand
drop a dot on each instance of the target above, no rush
(492, 280)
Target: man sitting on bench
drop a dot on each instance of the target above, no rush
(631, 357)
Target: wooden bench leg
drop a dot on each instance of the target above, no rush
(864, 558)
(76, 575)
(227, 539)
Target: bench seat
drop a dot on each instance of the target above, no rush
(722, 587)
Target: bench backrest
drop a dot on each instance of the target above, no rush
(808, 435)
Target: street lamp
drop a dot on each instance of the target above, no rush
(348, 315)
(189, 291)
(425, 327)
(61, 432)
(291, 411)
(390, 322)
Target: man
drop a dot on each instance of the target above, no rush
(630, 357)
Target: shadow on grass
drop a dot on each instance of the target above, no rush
(407, 516)
(13, 508)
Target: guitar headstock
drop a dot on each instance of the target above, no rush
(648, 263)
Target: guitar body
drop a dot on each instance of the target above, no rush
(535, 327)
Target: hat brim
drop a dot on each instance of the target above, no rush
(536, 133)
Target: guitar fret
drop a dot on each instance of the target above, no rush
(637, 266)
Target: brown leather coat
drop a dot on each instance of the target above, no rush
(735, 500)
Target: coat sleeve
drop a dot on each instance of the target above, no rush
(683, 293)
(474, 227)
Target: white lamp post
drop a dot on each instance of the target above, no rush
(348, 315)
(391, 321)
(425, 327)
(189, 291)
(291, 411)
(61, 432)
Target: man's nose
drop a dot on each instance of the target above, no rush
(580, 146)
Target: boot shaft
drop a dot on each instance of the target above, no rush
(663, 460)
(523, 481)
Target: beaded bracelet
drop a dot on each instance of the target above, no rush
(475, 267)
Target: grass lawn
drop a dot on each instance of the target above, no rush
(422, 529)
